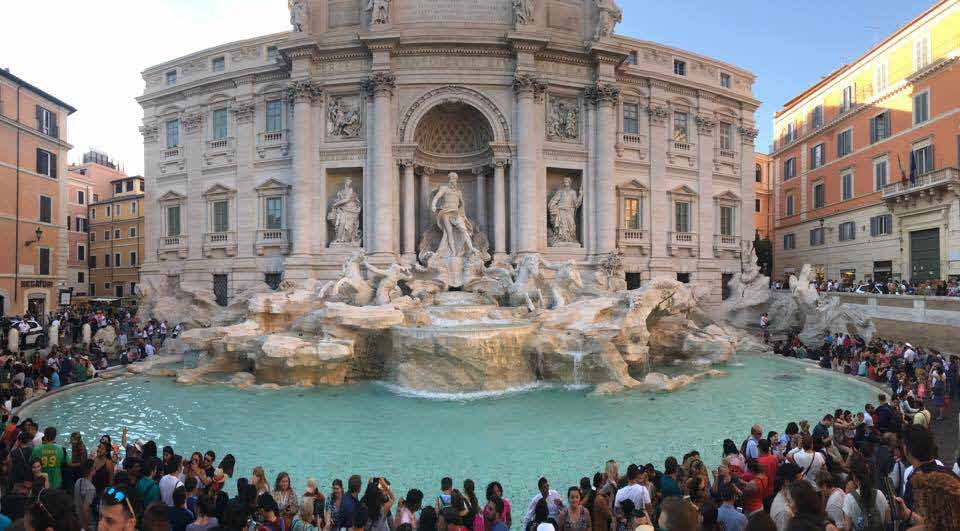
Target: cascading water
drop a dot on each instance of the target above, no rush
(577, 356)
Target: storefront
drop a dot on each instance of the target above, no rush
(882, 270)
(848, 277)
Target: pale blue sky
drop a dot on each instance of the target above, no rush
(787, 45)
(97, 48)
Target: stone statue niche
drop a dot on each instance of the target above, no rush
(564, 208)
(453, 244)
(345, 208)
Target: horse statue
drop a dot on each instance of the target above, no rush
(351, 287)
(566, 283)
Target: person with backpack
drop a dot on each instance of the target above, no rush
(865, 507)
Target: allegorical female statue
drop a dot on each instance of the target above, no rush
(345, 215)
(298, 14)
(563, 213)
(452, 220)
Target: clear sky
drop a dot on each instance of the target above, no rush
(90, 52)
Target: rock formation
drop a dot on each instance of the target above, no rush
(749, 293)
(512, 327)
(814, 314)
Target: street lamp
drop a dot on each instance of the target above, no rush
(37, 234)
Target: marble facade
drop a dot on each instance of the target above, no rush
(251, 147)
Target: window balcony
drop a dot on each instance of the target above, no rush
(273, 144)
(931, 183)
(173, 245)
(173, 153)
(634, 139)
(681, 146)
(638, 238)
(272, 238)
(678, 241)
(220, 152)
(724, 242)
(729, 154)
(225, 241)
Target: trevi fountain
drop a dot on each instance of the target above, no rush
(492, 277)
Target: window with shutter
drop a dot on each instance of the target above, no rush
(44, 261)
(46, 209)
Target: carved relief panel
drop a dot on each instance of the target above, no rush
(563, 119)
(344, 117)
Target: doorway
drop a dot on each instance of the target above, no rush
(925, 254)
(36, 306)
(725, 279)
(633, 280)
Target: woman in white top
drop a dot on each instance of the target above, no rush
(808, 460)
(863, 496)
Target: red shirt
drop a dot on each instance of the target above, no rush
(753, 501)
(769, 463)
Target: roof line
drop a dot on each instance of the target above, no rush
(40, 92)
(836, 73)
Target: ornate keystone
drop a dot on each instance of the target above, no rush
(527, 82)
(304, 90)
(380, 82)
(602, 92)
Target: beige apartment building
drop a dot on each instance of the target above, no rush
(116, 239)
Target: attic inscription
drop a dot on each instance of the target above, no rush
(477, 11)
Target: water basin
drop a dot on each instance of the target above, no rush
(415, 438)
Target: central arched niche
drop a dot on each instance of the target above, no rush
(453, 129)
(454, 136)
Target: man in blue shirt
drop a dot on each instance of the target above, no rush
(345, 518)
(752, 452)
(727, 514)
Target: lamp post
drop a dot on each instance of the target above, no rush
(37, 234)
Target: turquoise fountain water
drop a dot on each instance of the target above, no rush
(415, 439)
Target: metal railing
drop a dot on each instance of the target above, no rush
(922, 182)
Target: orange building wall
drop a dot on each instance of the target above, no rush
(17, 283)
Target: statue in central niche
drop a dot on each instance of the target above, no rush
(454, 226)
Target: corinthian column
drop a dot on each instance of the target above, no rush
(529, 88)
(303, 93)
(380, 85)
(499, 210)
(605, 96)
(409, 210)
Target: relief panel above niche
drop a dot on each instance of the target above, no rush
(440, 11)
(344, 13)
(565, 16)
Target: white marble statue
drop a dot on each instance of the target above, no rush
(351, 287)
(562, 208)
(342, 120)
(388, 289)
(86, 334)
(456, 229)
(53, 336)
(749, 292)
(379, 11)
(298, 15)
(609, 15)
(523, 12)
(345, 216)
(13, 340)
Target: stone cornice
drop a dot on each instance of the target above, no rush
(565, 58)
(208, 85)
(525, 43)
(452, 50)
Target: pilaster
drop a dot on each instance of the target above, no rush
(529, 89)
(380, 87)
(605, 96)
(303, 93)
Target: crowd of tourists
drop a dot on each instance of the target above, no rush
(851, 470)
(29, 372)
(915, 375)
(932, 288)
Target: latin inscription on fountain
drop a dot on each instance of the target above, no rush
(476, 11)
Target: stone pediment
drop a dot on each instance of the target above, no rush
(634, 186)
(272, 185)
(219, 189)
(683, 190)
(727, 196)
(172, 197)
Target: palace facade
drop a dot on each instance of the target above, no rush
(279, 156)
